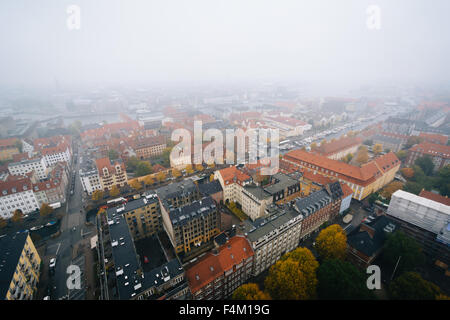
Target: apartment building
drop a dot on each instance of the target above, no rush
(38, 165)
(232, 181)
(254, 201)
(363, 180)
(128, 277)
(53, 189)
(178, 194)
(273, 235)
(16, 192)
(111, 173)
(89, 176)
(434, 138)
(8, 148)
(426, 218)
(54, 149)
(319, 207)
(19, 268)
(339, 148)
(389, 142)
(439, 154)
(216, 275)
(149, 147)
(143, 216)
(191, 225)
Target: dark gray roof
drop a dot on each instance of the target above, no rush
(196, 209)
(319, 199)
(277, 216)
(162, 274)
(258, 192)
(127, 266)
(176, 189)
(11, 247)
(282, 181)
(221, 238)
(138, 203)
(210, 187)
(363, 242)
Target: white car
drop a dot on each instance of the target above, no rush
(52, 262)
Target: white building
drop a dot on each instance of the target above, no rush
(232, 181)
(16, 193)
(90, 179)
(52, 157)
(23, 167)
(273, 235)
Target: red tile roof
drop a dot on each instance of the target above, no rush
(363, 175)
(7, 142)
(229, 174)
(213, 265)
(434, 138)
(432, 149)
(15, 184)
(339, 145)
(346, 190)
(435, 197)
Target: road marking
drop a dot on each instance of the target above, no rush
(59, 245)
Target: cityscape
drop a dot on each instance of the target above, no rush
(123, 180)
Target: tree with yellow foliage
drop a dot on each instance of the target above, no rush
(390, 189)
(362, 156)
(189, 169)
(176, 173)
(199, 167)
(45, 210)
(211, 178)
(97, 195)
(17, 216)
(249, 291)
(115, 191)
(293, 277)
(135, 184)
(3, 223)
(211, 165)
(378, 148)
(331, 243)
(161, 176)
(313, 146)
(148, 180)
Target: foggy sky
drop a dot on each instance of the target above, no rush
(136, 42)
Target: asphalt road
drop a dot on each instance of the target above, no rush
(73, 231)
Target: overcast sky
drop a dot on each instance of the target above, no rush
(132, 42)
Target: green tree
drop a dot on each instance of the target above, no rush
(411, 286)
(132, 164)
(412, 187)
(331, 243)
(426, 164)
(401, 155)
(412, 140)
(339, 279)
(249, 291)
(293, 277)
(143, 168)
(113, 154)
(399, 245)
(45, 210)
(443, 181)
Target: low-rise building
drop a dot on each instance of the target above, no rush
(111, 173)
(16, 193)
(89, 176)
(439, 154)
(254, 201)
(8, 148)
(149, 147)
(273, 235)
(364, 243)
(232, 181)
(339, 148)
(363, 180)
(389, 142)
(319, 207)
(216, 275)
(426, 220)
(19, 267)
(23, 167)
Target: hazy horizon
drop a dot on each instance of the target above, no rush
(319, 43)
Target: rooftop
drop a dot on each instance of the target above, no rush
(196, 209)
